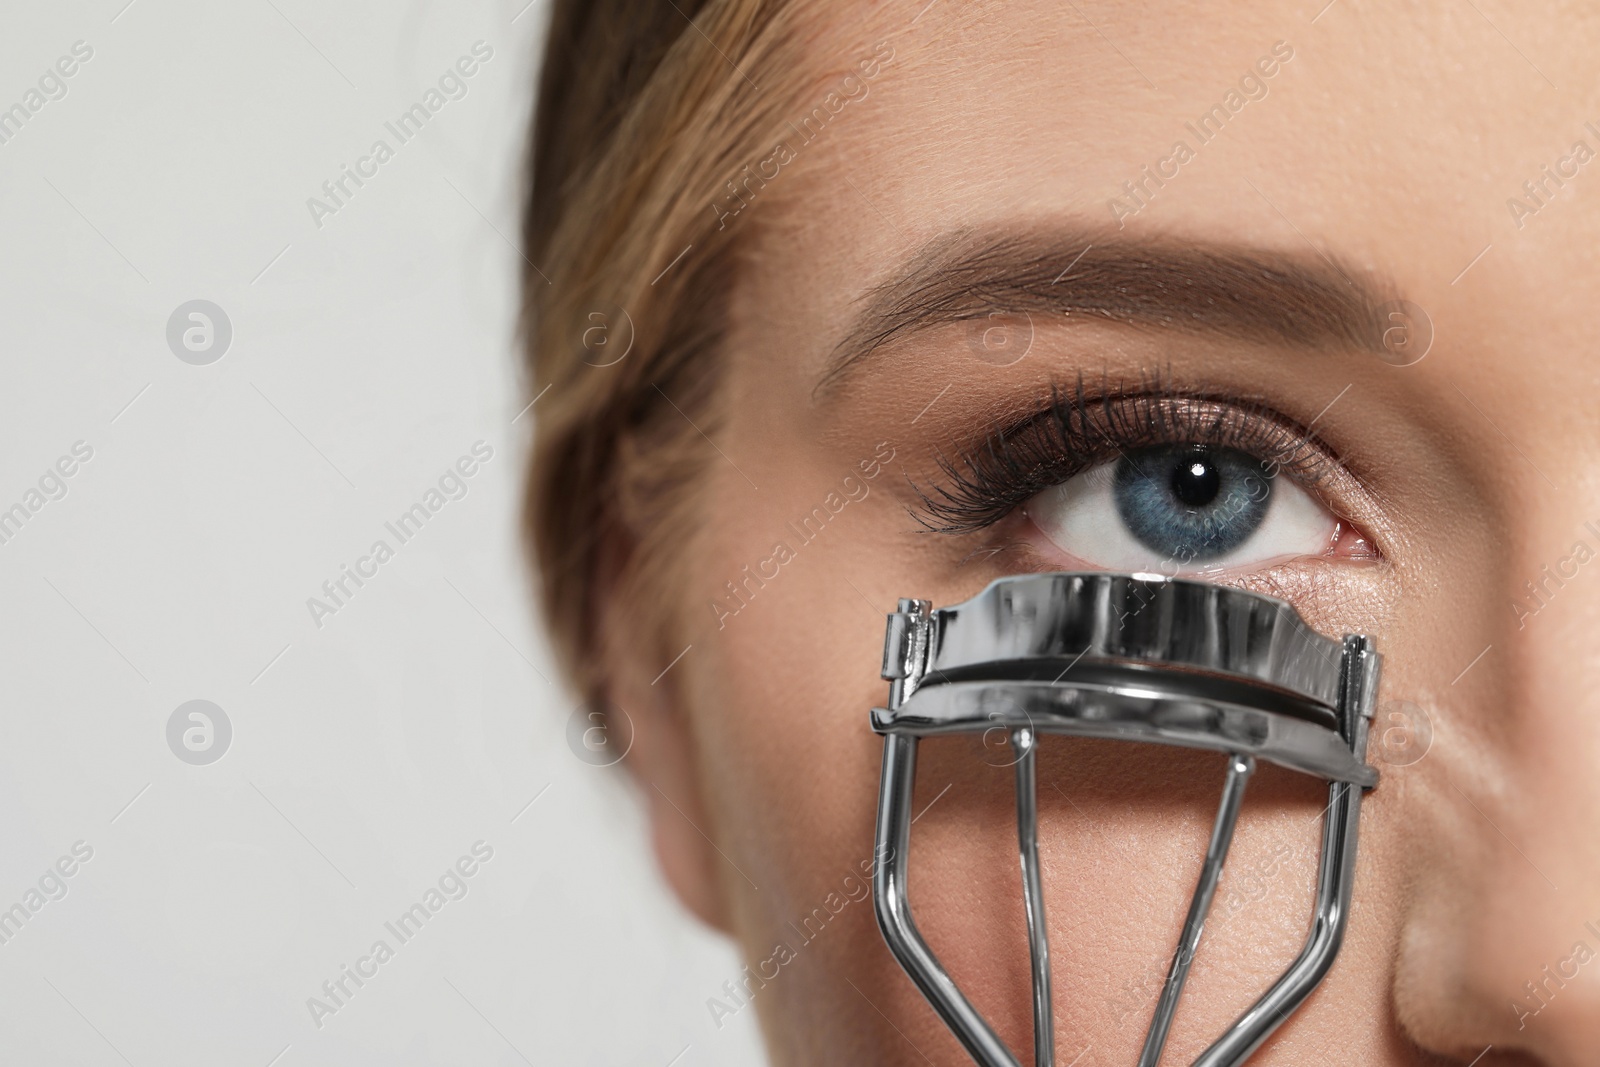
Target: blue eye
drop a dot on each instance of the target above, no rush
(1191, 503)
(1183, 508)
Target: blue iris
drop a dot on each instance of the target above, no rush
(1191, 503)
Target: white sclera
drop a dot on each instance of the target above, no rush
(1080, 518)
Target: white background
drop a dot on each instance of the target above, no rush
(370, 753)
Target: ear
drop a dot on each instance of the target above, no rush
(660, 756)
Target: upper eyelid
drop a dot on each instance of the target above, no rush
(972, 497)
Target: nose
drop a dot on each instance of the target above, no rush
(1516, 909)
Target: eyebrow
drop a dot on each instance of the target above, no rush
(1195, 287)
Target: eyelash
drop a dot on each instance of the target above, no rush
(1076, 429)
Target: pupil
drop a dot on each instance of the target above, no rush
(1196, 482)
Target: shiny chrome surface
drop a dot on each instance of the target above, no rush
(1155, 622)
(1240, 768)
(889, 901)
(1131, 657)
(1044, 1041)
(1336, 875)
(1129, 713)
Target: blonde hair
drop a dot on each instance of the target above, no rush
(642, 118)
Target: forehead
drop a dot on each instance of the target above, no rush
(1398, 141)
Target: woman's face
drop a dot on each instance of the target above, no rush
(1186, 214)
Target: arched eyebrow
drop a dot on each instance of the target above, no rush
(1307, 301)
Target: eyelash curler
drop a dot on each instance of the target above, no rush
(1137, 657)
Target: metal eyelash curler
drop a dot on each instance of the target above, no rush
(1138, 657)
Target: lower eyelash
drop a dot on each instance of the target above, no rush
(1075, 429)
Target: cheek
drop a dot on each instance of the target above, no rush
(780, 697)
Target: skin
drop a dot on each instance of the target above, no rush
(1390, 142)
